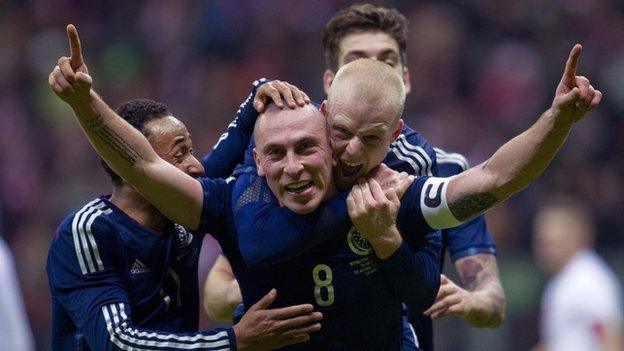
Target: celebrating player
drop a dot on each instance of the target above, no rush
(443, 202)
(204, 205)
(123, 276)
(367, 31)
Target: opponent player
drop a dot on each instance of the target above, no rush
(123, 276)
(205, 205)
(379, 33)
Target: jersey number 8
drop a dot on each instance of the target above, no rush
(323, 290)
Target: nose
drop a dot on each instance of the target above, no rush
(194, 168)
(354, 147)
(293, 165)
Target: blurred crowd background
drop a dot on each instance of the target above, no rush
(481, 70)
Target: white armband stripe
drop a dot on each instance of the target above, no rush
(433, 204)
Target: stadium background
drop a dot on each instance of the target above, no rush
(481, 72)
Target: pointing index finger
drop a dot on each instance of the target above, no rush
(569, 74)
(74, 47)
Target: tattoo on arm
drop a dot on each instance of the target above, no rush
(479, 272)
(469, 205)
(112, 139)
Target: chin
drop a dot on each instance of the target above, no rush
(303, 209)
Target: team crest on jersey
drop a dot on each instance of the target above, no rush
(357, 243)
(183, 237)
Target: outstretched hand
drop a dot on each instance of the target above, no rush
(70, 79)
(262, 328)
(575, 96)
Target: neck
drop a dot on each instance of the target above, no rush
(127, 199)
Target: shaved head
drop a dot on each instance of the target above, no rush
(368, 85)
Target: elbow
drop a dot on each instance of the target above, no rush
(498, 315)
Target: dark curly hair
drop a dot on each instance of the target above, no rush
(137, 112)
(360, 18)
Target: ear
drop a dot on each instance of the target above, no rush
(334, 157)
(328, 78)
(324, 108)
(406, 80)
(259, 165)
(397, 130)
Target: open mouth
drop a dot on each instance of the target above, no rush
(349, 169)
(299, 187)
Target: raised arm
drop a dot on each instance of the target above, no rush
(125, 149)
(521, 160)
(230, 149)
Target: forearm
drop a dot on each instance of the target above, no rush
(113, 329)
(479, 276)
(231, 146)
(510, 169)
(221, 291)
(414, 275)
(123, 147)
(131, 156)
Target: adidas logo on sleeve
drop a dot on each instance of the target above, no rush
(139, 267)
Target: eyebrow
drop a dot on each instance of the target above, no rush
(363, 53)
(268, 147)
(179, 139)
(375, 127)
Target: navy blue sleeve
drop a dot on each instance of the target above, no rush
(269, 233)
(84, 280)
(216, 208)
(231, 146)
(470, 238)
(414, 273)
(414, 269)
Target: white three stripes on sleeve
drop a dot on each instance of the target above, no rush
(127, 338)
(84, 242)
(415, 155)
(449, 157)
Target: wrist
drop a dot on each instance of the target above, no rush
(387, 243)
(83, 106)
(481, 313)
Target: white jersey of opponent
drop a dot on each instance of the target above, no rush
(15, 332)
(578, 303)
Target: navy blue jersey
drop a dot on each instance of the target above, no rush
(355, 291)
(411, 153)
(117, 285)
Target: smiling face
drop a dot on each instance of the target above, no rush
(172, 142)
(364, 106)
(293, 152)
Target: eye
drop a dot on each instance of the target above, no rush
(306, 146)
(391, 63)
(372, 139)
(274, 153)
(343, 132)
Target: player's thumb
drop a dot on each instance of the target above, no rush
(570, 98)
(83, 80)
(265, 301)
